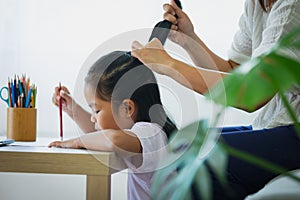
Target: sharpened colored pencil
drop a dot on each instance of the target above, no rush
(60, 116)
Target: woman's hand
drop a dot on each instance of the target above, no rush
(182, 25)
(153, 56)
(73, 143)
(67, 100)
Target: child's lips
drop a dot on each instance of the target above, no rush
(97, 127)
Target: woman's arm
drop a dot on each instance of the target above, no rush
(184, 35)
(198, 79)
(153, 56)
(202, 56)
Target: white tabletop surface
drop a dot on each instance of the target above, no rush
(41, 145)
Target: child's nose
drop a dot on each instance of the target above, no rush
(93, 118)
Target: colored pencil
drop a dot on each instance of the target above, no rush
(28, 98)
(9, 94)
(60, 115)
(13, 95)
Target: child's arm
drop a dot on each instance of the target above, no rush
(119, 141)
(81, 117)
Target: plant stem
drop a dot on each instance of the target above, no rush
(291, 112)
(212, 135)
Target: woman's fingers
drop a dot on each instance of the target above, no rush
(136, 45)
(169, 9)
(169, 15)
(175, 7)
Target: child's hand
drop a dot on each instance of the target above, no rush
(73, 143)
(67, 100)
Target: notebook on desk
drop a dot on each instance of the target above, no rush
(4, 142)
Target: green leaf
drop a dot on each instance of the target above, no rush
(288, 66)
(203, 182)
(186, 159)
(183, 148)
(289, 39)
(187, 135)
(184, 179)
(248, 88)
(165, 173)
(244, 90)
(218, 162)
(296, 45)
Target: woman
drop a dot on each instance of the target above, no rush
(272, 135)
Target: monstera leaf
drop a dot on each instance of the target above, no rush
(189, 149)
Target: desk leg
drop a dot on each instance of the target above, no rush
(98, 187)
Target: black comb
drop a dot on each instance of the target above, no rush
(161, 29)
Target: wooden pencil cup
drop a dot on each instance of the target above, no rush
(21, 124)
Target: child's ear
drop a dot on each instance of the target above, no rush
(127, 108)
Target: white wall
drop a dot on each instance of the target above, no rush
(50, 41)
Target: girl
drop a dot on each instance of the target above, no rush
(127, 114)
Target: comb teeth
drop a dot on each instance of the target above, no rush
(161, 31)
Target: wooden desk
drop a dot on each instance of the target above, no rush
(36, 157)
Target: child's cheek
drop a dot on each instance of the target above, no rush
(101, 124)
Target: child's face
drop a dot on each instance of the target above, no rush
(102, 113)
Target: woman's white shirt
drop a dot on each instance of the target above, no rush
(258, 32)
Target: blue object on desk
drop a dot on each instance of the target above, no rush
(5, 99)
(6, 142)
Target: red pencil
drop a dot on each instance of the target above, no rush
(60, 116)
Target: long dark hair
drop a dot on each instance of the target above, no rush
(118, 76)
(266, 4)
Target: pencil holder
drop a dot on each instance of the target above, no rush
(21, 124)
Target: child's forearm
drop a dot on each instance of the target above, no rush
(120, 141)
(125, 143)
(83, 119)
(92, 141)
(95, 141)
